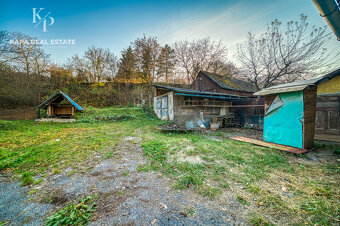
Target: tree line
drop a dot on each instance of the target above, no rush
(283, 53)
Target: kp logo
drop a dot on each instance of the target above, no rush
(43, 20)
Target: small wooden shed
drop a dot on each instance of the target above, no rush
(290, 112)
(59, 105)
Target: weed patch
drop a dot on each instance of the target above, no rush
(209, 191)
(242, 200)
(258, 220)
(74, 214)
(187, 181)
(156, 152)
(26, 179)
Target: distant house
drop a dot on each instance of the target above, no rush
(294, 111)
(210, 82)
(60, 105)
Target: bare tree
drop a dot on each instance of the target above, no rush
(111, 62)
(196, 55)
(25, 52)
(96, 65)
(40, 62)
(6, 52)
(224, 68)
(77, 65)
(21, 52)
(284, 54)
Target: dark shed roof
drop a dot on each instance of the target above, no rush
(190, 92)
(228, 82)
(298, 85)
(57, 98)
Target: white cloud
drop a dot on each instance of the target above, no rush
(230, 25)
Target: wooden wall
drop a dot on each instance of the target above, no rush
(309, 109)
(54, 110)
(18, 114)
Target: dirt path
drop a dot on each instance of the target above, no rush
(126, 196)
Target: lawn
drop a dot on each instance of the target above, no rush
(274, 187)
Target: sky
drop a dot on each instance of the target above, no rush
(114, 24)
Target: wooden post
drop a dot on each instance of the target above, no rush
(309, 112)
(38, 113)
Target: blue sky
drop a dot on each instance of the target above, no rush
(114, 24)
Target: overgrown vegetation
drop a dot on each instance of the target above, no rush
(74, 214)
(276, 187)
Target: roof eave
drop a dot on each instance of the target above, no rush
(269, 91)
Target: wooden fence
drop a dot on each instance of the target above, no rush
(18, 114)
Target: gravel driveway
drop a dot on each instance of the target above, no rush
(126, 196)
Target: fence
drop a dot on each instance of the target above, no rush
(18, 114)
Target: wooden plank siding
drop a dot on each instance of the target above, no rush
(204, 83)
(309, 108)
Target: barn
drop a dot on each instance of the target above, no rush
(59, 105)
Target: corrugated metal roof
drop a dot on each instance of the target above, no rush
(298, 85)
(54, 97)
(193, 91)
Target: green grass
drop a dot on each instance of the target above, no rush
(189, 211)
(26, 179)
(257, 220)
(242, 200)
(188, 180)
(78, 213)
(208, 167)
(125, 174)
